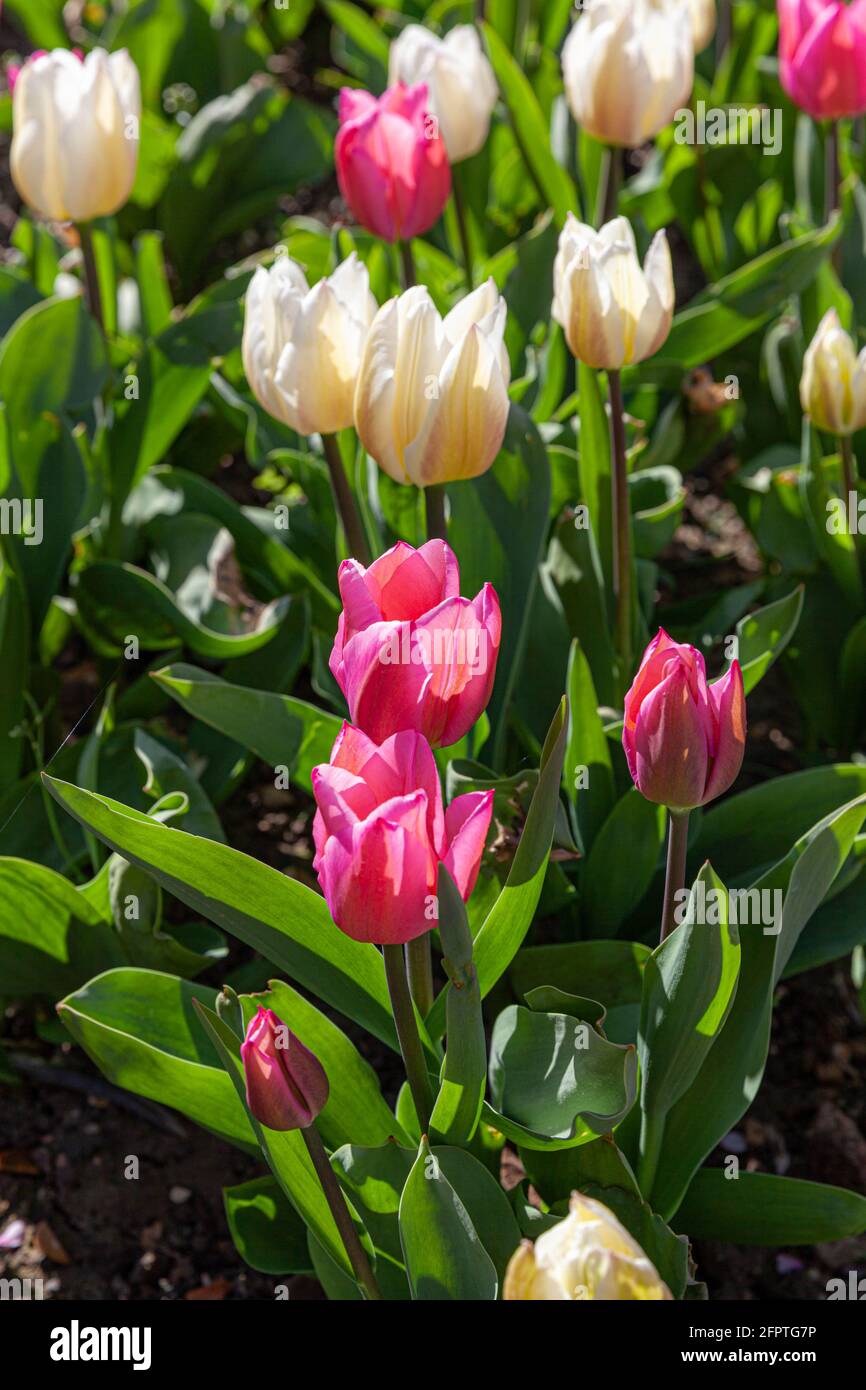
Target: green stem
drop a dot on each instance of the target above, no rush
(675, 877)
(419, 968)
(849, 466)
(347, 510)
(92, 291)
(407, 264)
(832, 200)
(621, 530)
(407, 1032)
(610, 175)
(462, 226)
(340, 1212)
(434, 509)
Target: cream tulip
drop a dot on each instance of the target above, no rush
(704, 21)
(613, 312)
(588, 1255)
(75, 133)
(431, 404)
(628, 66)
(302, 347)
(461, 87)
(833, 383)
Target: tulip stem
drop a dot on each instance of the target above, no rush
(346, 507)
(419, 968)
(407, 1032)
(92, 291)
(407, 263)
(340, 1212)
(621, 530)
(675, 878)
(434, 508)
(608, 185)
(462, 226)
(849, 467)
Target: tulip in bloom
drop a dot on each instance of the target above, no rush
(410, 653)
(302, 347)
(628, 66)
(431, 404)
(381, 834)
(833, 384)
(683, 738)
(613, 313)
(392, 167)
(588, 1255)
(461, 87)
(286, 1084)
(822, 56)
(75, 133)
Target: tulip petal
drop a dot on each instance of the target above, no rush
(728, 704)
(467, 821)
(670, 750)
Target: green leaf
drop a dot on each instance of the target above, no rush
(610, 971)
(763, 1209)
(140, 1029)
(53, 360)
(267, 1231)
(464, 1071)
(595, 471)
(765, 634)
(51, 939)
(609, 895)
(166, 772)
(445, 1259)
(587, 752)
(285, 921)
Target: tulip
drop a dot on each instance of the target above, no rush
(302, 347)
(683, 738)
(628, 66)
(613, 313)
(75, 133)
(392, 167)
(410, 653)
(461, 87)
(822, 56)
(588, 1255)
(833, 384)
(286, 1084)
(703, 15)
(431, 404)
(381, 833)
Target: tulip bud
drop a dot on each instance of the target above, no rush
(431, 403)
(461, 87)
(302, 347)
(628, 66)
(704, 19)
(833, 384)
(286, 1084)
(822, 56)
(392, 167)
(613, 313)
(588, 1255)
(683, 738)
(381, 832)
(75, 133)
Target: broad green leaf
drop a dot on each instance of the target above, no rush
(52, 360)
(765, 634)
(587, 754)
(268, 1233)
(168, 773)
(763, 1209)
(464, 1072)
(444, 1257)
(51, 939)
(610, 971)
(285, 921)
(609, 893)
(556, 1174)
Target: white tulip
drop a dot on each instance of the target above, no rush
(613, 312)
(703, 22)
(432, 399)
(75, 133)
(628, 66)
(302, 347)
(461, 87)
(588, 1255)
(833, 384)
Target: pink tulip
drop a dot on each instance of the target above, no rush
(381, 834)
(683, 739)
(410, 653)
(286, 1084)
(822, 56)
(391, 163)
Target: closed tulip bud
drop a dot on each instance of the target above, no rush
(704, 19)
(75, 133)
(286, 1084)
(302, 347)
(588, 1255)
(613, 312)
(684, 739)
(431, 404)
(822, 56)
(410, 653)
(833, 384)
(392, 166)
(381, 833)
(461, 87)
(628, 66)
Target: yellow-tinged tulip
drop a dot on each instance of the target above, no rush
(461, 87)
(833, 384)
(588, 1255)
(704, 21)
(302, 347)
(432, 398)
(613, 312)
(75, 133)
(628, 65)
